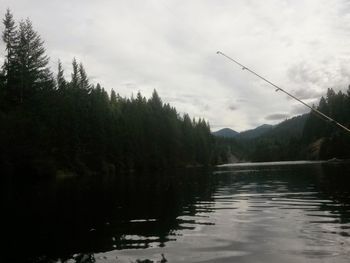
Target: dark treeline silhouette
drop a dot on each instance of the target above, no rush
(325, 139)
(54, 126)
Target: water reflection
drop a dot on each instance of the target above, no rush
(56, 221)
(294, 213)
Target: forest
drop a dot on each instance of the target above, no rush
(53, 126)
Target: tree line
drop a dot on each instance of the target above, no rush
(327, 139)
(51, 125)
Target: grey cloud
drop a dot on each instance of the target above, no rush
(314, 78)
(232, 107)
(307, 93)
(303, 73)
(299, 109)
(276, 116)
(206, 107)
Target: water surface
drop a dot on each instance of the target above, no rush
(289, 212)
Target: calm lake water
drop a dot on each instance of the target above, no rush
(279, 212)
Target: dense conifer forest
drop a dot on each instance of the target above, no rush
(51, 125)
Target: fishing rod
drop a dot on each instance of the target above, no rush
(315, 111)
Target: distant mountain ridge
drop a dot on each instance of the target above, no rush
(288, 128)
(292, 127)
(225, 132)
(266, 142)
(255, 133)
(248, 134)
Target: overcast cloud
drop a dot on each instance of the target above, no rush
(170, 46)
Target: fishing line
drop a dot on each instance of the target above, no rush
(315, 111)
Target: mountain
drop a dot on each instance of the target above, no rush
(249, 134)
(292, 127)
(225, 132)
(254, 133)
(280, 143)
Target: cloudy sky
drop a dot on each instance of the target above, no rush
(170, 46)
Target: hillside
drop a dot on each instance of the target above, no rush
(289, 128)
(264, 143)
(225, 132)
(254, 133)
(281, 142)
(292, 127)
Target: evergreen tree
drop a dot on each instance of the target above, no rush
(77, 127)
(61, 82)
(113, 97)
(75, 80)
(83, 79)
(9, 36)
(31, 63)
(155, 100)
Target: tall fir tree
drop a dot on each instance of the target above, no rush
(83, 79)
(113, 98)
(61, 82)
(75, 78)
(155, 100)
(31, 63)
(9, 36)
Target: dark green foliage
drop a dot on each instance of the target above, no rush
(52, 127)
(255, 133)
(60, 80)
(228, 150)
(7, 80)
(75, 75)
(83, 79)
(25, 71)
(332, 141)
(31, 64)
(273, 143)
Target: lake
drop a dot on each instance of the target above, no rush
(269, 212)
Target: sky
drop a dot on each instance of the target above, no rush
(171, 45)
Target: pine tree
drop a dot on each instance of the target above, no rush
(113, 98)
(61, 82)
(31, 63)
(9, 36)
(140, 99)
(83, 79)
(155, 100)
(75, 74)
